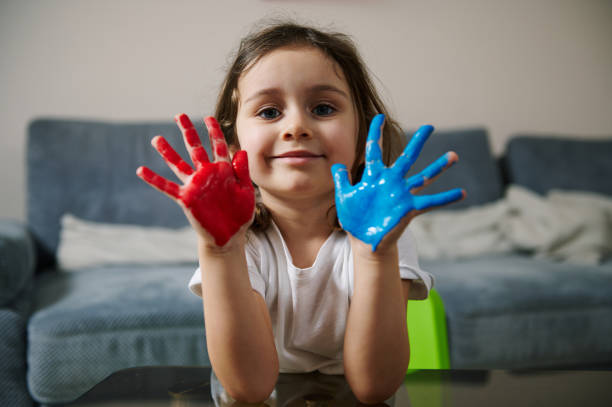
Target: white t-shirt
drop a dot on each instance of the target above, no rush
(309, 306)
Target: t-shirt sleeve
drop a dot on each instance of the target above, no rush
(253, 268)
(422, 281)
(253, 258)
(195, 284)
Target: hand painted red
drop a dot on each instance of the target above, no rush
(219, 195)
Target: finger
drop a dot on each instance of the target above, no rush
(412, 150)
(429, 174)
(158, 182)
(174, 161)
(192, 140)
(423, 202)
(241, 167)
(341, 178)
(373, 153)
(217, 141)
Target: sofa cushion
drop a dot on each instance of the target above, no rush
(89, 324)
(543, 163)
(13, 390)
(17, 259)
(88, 169)
(510, 311)
(476, 171)
(13, 365)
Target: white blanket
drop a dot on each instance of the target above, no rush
(569, 226)
(89, 244)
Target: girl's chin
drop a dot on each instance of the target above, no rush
(295, 190)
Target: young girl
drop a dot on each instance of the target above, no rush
(316, 274)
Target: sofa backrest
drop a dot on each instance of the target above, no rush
(477, 170)
(88, 169)
(541, 163)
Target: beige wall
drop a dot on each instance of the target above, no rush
(511, 66)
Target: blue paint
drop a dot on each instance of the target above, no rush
(431, 171)
(374, 206)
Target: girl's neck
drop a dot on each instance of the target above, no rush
(301, 217)
(304, 224)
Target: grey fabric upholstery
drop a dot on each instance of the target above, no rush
(89, 169)
(16, 282)
(536, 312)
(16, 259)
(13, 347)
(90, 323)
(511, 311)
(476, 171)
(13, 389)
(502, 311)
(544, 163)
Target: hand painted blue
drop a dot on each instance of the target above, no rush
(374, 206)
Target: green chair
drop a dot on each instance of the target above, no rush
(427, 334)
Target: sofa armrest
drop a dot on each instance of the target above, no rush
(17, 259)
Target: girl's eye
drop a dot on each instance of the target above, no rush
(323, 110)
(269, 113)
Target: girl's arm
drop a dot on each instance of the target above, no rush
(375, 212)
(218, 199)
(238, 328)
(376, 348)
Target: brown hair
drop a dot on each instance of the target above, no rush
(341, 49)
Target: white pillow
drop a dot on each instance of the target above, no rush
(569, 226)
(86, 244)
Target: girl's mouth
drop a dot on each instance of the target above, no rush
(297, 157)
(297, 153)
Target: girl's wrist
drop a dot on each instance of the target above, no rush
(363, 251)
(208, 248)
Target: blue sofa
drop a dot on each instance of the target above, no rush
(60, 333)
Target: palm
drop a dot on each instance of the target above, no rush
(375, 205)
(218, 196)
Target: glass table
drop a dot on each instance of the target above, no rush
(198, 386)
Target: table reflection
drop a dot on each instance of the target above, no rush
(291, 390)
(199, 387)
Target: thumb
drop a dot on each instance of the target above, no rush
(240, 163)
(340, 174)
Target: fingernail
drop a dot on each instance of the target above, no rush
(211, 122)
(427, 128)
(379, 119)
(183, 120)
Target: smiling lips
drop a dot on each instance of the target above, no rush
(297, 153)
(297, 156)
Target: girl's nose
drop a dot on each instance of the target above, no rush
(297, 127)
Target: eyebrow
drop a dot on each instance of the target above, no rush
(312, 89)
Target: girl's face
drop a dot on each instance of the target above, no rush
(296, 118)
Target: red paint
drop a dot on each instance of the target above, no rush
(241, 167)
(221, 150)
(219, 195)
(192, 140)
(199, 156)
(216, 138)
(213, 127)
(159, 182)
(171, 156)
(183, 121)
(191, 137)
(219, 200)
